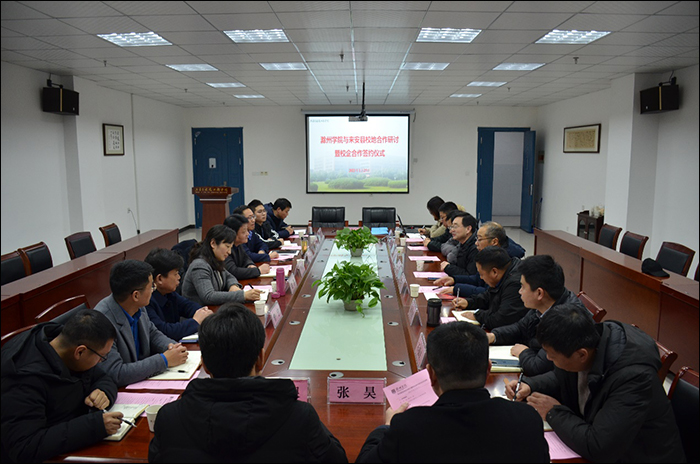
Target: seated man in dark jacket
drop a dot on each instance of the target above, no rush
(501, 304)
(604, 398)
(463, 230)
(277, 212)
(542, 288)
(237, 416)
(53, 392)
(444, 211)
(262, 226)
(458, 366)
(255, 248)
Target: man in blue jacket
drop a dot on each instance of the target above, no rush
(277, 212)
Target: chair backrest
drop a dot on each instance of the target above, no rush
(13, 267)
(79, 244)
(668, 357)
(327, 216)
(183, 249)
(379, 217)
(609, 235)
(597, 311)
(62, 311)
(111, 234)
(685, 399)
(36, 257)
(697, 273)
(675, 257)
(633, 244)
(7, 337)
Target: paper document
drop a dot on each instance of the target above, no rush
(557, 448)
(417, 248)
(145, 399)
(131, 413)
(414, 235)
(460, 316)
(194, 338)
(183, 371)
(273, 271)
(423, 258)
(414, 390)
(428, 275)
(502, 360)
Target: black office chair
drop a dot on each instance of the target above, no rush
(63, 310)
(36, 257)
(111, 234)
(685, 399)
(633, 244)
(327, 216)
(183, 249)
(379, 217)
(12, 267)
(80, 244)
(675, 257)
(609, 235)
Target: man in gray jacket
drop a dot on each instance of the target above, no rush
(140, 349)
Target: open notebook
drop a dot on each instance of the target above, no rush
(131, 413)
(502, 360)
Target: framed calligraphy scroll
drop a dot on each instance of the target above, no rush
(113, 137)
(582, 139)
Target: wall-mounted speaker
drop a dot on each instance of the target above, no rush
(659, 99)
(59, 101)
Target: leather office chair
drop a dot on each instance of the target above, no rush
(675, 257)
(12, 267)
(379, 217)
(111, 234)
(684, 395)
(327, 216)
(62, 311)
(597, 312)
(633, 244)
(36, 257)
(80, 244)
(609, 235)
(697, 273)
(7, 337)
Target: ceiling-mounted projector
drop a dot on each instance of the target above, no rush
(362, 117)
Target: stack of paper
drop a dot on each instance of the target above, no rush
(502, 360)
(460, 316)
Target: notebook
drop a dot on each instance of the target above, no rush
(131, 413)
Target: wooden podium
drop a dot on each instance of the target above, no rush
(214, 205)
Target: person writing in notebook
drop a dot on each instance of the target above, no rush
(53, 390)
(237, 415)
(458, 365)
(277, 212)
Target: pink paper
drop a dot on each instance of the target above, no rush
(557, 448)
(427, 275)
(414, 240)
(447, 320)
(145, 398)
(160, 384)
(418, 248)
(424, 258)
(414, 390)
(290, 247)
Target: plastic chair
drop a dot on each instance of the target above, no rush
(597, 312)
(80, 244)
(111, 234)
(36, 257)
(7, 337)
(379, 217)
(328, 216)
(633, 244)
(675, 257)
(609, 235)
(685, 399)
(13, 267)
(62, 311)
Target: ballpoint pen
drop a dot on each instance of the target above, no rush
(122, 419)
(517, 387)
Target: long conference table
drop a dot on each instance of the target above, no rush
(665, 308)
(350, 423)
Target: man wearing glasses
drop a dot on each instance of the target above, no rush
(140, 349)
(463, 230)
(53, 391)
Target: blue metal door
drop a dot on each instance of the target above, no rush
(217, 159)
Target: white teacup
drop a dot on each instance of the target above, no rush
(420, 265)
(151, 413)
(259, 308)
(415, 290)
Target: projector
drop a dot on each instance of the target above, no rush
(359, 118)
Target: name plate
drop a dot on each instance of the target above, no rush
(274, 315)
(362, 391)
(302, 386)
(292, 283)
(419, 351)
(403, 283)
(301, 266)
(413, 312)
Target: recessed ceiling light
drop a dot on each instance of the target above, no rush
(225, 84)
(135, 39)
(283, 66)
(424, 66)
(485, 84)
(571, 37)
(465, 95)
(191, 67)
(257, 36)
(517, 66)
(249, 96)
(447, 34)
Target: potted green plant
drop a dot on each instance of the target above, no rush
(355, 241)
(351, 283)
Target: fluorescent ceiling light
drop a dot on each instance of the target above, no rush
(225, 84)
(283, 66)
(135, 39)
(485, 84)
(257, 36)
(249, 96)
(191, 67)
(571, 37)
(447, 34)
(465, 95)
(424, 66)
(517, 66)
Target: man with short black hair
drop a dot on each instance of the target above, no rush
(263, 227)
(458, 366)
(256, 249)
(604, 398)
(463, 230)
(277, 212)
(256, 419)
(53, 391)
(435, 243)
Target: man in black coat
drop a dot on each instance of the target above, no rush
(541, 288)
(53, 392)
(463, 230)
(604, 398)
(237, 416)
(465, 424)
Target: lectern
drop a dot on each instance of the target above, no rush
(214, 205)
